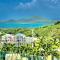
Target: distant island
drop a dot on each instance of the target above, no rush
(34, 19)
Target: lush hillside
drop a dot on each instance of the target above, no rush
(47, 43)
(48, 30)
(42, 31)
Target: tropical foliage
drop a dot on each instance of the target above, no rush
(48, 41)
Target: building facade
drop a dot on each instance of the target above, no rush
(17, 39)
(8, 38)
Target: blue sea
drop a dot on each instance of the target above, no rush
(19, 25)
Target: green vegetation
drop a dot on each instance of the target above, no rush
(48, 41)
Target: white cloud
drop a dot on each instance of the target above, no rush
(54, 1)
(26, 5)
(55, 4)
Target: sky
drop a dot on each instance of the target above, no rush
(16, 9)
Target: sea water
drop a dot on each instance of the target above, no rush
(20, 25)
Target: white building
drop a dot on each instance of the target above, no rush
(30, 40)
(20, 38)
(8, 38)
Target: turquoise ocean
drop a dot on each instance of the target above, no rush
(20, 25)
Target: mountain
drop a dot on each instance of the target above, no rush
(34, 19)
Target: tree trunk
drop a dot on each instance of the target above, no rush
(47, 57)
